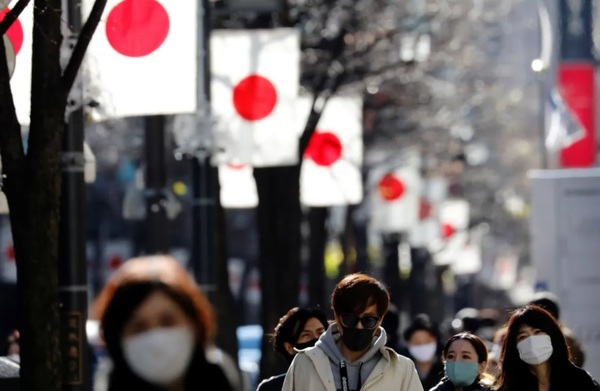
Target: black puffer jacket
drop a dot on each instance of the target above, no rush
(446, 385)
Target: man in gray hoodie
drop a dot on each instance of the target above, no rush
(352, 354)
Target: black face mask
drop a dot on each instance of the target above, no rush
(355, 339)
(300, 346)
(305, 345)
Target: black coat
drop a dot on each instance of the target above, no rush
(274, 383)
(569, 378)
(446, 385)
(435, 374)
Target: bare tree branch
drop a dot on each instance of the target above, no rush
(85, 36)
(12, 15)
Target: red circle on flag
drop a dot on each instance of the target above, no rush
(254, 98)
(447, 230)
(136, 28)
(14, 33)
(324, 148)
(115, 262)
(390, 188)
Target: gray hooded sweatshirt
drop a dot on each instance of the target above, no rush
(364, 365)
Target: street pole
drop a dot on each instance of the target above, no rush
(72, 252)
(203, 174)
(157, 235)
(542, 118)
(539, 66)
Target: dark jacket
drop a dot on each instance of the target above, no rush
(569, 378)
(434, 375)
(274, 383)
(446, 385)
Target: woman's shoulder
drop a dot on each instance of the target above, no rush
(394, 355)
(274, 383)
(582, 379)
(446, 385)
(443, 385)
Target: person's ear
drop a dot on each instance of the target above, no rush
(289, 348)
(336, 319)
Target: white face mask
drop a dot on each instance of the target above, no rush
(423, 353)
(535, 349)
(160, 356)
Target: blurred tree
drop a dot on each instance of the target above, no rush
(32, 183)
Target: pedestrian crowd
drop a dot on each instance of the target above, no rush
(157, 331)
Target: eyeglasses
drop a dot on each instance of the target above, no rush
(351, 320)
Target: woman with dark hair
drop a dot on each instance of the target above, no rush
(298, 329)
(156, 323)
(535, 355)
(465, 358)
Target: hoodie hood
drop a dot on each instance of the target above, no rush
(363, 366)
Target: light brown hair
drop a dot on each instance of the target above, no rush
(165, 273)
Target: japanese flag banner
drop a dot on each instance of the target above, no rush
(331, 167)
(454, 220)
(254, 85)
(20, 36)
(142, 60)
(395, 194)
(427, 232)
(238, 187)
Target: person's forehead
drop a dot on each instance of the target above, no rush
(312, 323)
(155, 304)
(461, 346)
(526, 327)
(370, 309)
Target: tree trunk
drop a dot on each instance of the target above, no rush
(224, 301)
(33, 187)
(35, 221)
(279, 231)
(32, 183)
(391, 271)
(418, 289)
(317, 217)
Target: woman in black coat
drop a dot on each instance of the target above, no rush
(298, 329)
(535, 356)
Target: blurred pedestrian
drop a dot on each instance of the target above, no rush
(548, 301)
(423, 346)
(465, 357)
(391, 325)
(494, 356)
(298, 329)
(155, 323)
(13, 346)
(535, 355)
(351, 354)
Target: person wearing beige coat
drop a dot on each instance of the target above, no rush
(351, 355)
